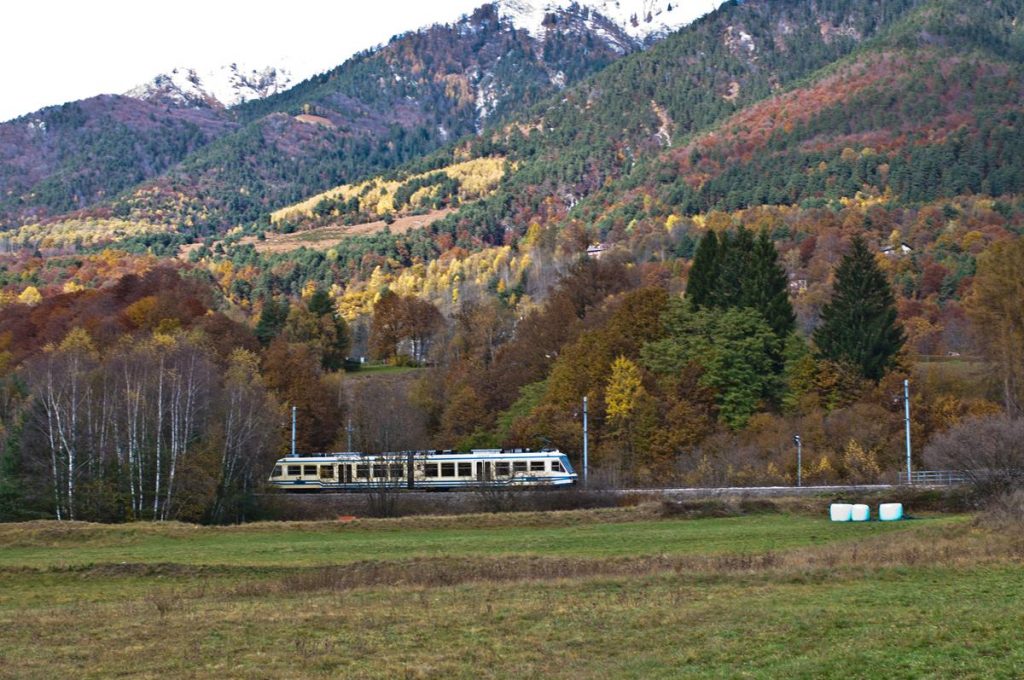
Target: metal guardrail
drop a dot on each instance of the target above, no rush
(934, 477)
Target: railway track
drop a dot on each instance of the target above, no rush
(671, 492)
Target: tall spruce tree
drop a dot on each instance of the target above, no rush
(766, 289)
(859, 323)
(703, 280)
(736, 255)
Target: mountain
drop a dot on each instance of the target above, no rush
(598, 137)
(381, 108)
(585, 114)
(223, 87)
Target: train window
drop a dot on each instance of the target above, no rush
(447, 469)
(277, 471)
(397, 470)
(556, 466)
(430, 470)
(363, 471)
(294, 469)
(536, 466)
(309, 470)
(380, 471)
(465, 469)
(326, 472)
(519, 466)
(501, 469)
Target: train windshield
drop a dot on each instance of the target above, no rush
(567, 465)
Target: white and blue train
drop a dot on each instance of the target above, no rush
(423, 470)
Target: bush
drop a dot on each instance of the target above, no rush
(989, 452)
(1005, 510)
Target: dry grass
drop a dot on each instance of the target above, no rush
(47, 533)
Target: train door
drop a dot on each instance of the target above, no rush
(346, 474)
(483, 471)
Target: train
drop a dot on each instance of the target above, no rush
(424, 470)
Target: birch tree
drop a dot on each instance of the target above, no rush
(61, 379)
(249, 416)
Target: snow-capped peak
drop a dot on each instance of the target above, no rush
(640, 19)
(221, 87)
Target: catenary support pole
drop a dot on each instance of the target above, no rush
(799, 460)
(906, 404)
(293, 431)
(584, 441)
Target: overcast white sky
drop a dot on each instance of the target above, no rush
(62, 50)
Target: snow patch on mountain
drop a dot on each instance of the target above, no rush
(642, 20)
(221, 87)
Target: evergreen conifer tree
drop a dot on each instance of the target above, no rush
(859, 323)
(766, 289)
(703, 280)
(736, 257)
(271, 321)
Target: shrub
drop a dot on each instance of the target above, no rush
(989, 452)
(1005, 510)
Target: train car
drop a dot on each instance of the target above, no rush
(423, 470)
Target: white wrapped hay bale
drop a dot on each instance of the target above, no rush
(860, 513)
(890, 512)
(840, 512)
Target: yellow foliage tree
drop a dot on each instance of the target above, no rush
(30, 296)
(624, 390)
(860, 465)
(994, 307)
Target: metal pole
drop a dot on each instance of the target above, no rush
(293, 431)
(348, 431)
(906, 404)
(584, 441)
(800, 460)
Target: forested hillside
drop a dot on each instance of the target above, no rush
(65, 158)
(759, 226)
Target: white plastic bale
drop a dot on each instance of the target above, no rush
(840, 512)
(890, 512)
(860, 513)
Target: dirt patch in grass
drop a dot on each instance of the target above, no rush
(718, 507)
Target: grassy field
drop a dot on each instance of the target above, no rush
(605, 593)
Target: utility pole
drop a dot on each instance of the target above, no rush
(293, 430)
(584, 441)
(348, 431)
(799, 460)
(906, 405)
